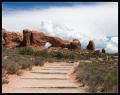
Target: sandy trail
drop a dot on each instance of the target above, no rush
(51, 78)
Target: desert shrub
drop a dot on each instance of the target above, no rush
(3, 72)
(43, 53)
(70, 55)
(96, 74)
(57, 54)
(60, 54)
(13, 65)
(29, 51)
(26, 50)
(92, 55)
(50, 60)
(24, 64)
(39, 61)
(12, 68)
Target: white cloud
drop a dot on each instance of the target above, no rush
(112, 45)
(82, 22)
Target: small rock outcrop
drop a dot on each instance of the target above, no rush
(75, 44)
(103, 50)
(97, 51)
(91, 45)
(11, 39)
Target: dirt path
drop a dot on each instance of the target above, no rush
(51, 78)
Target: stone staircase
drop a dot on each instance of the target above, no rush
(51, 78)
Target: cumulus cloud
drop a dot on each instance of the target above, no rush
(112, 45)
(82, 22)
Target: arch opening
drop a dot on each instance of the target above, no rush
(48, 45)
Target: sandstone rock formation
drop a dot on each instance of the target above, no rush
(26, 37)
(39, 39)
(97, 51)
(103, 50)
(75, 44)
(56, 42)
(11, 39)
(3, 41)
(91, 45)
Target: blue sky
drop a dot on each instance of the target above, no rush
(26, 5)
(32, 4)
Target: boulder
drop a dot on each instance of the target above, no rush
(12, 39)
(103, 50)
(75, 44)
(91, 45)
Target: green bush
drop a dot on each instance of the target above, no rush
(26, 50)
(57, 54)
(43, 53)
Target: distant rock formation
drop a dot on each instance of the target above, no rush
(38, 40)
(75, 44)
(11, 39)
(97, 51)
(91, 45)
(103, 50)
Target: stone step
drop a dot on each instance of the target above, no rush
(47, 78)
(61, 65)
(54, 69)
(45, 90)
(50, 72)
(51, 78)
(43, 83)
(58, 67)
(33, 75)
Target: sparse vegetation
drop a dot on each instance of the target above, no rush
(15, 61)
(39, 61)
(60, 54)
(99, 77)
(12, 68)
(26, 50)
